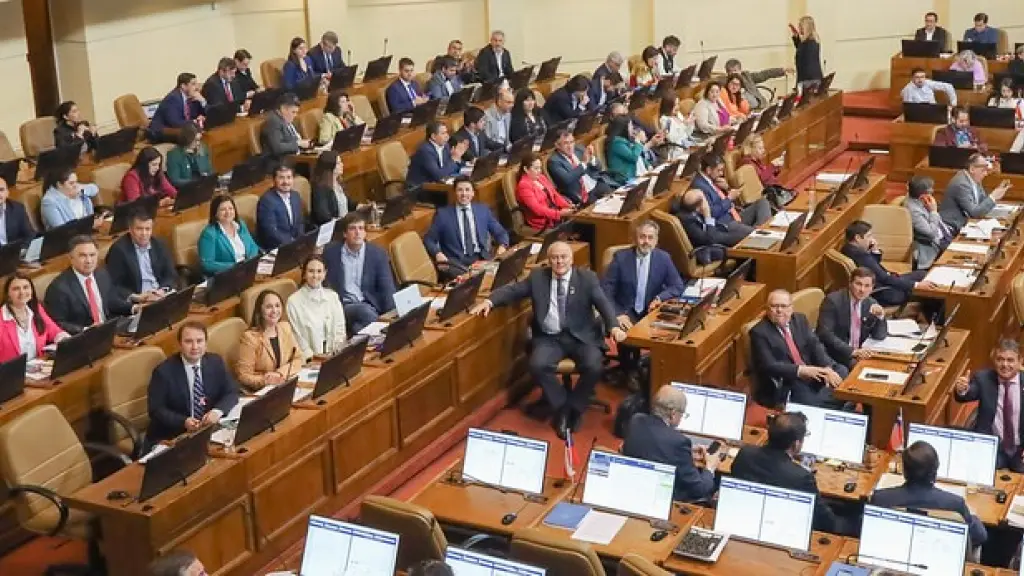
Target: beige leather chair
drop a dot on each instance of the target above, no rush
(284, 288)
(37, 135)
(513, 210)
(599, 144)
(363, 108)
(125, 393)
(1003, 41)
(185, 244)
(255, 145)
(393, 166)
(674, 240)
(751, 189)
(411, 262)
(245, 207)
(308, 123)
(808, 303)
(272, 72)
(6, 150)
(420, 535)
(223, 337)
(838, 269)
(1017, 297)
(32, 198)
(108, 178)
(129, 112)
(382, 103)
(609, 253)
(558, 555)
(893, 230)
(421, 80)
(305, 191)
(732, 160)
(42, 282)
(637, 565)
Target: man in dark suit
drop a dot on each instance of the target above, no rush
(141, 266)
(279, 211)
(603, 90)
(576, 171)
(788, 359)
(564, 299)
(724, 200)
(640, 278)
(960, 133)
(326, 55)
(360, 273)
(463, 234)
(998, 393)
(862, 248)
(435, 160)
(182, 105)
(404, 94)
(655, 437)
(189, 390)
(920, 468)
(709, 237)
(278, 136)
(221, 88)
(472, 131)
(569, 101)
(933, 32)
(494, 61)
(849, 317)
(773, 464)
(602, 80)
(14, 223)
(83, 295)
(243, 74)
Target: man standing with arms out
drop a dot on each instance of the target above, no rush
(921, 90)
(494, 61)
(564, 299)
(849, 317)
(998, 393)
(360, 272)
(463, 234)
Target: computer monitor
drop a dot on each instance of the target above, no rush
(912, 542)
(833, 433)
(763, 513)
(176, 464)
(505, 460)
(264, 412)
(921, 49)
(986, 50)
(467, 563)
(510, 267)
(924, 113)
(342, 367)
(963, 456)
(713, 412)
(336, 548)
(12, 378)
(629, 485)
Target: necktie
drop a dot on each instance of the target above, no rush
(412, 93)
(198, 394)
(467, 232)
(327, 57)
(732, 210)
(227, 92)
(855, 325)
(188, 113)
(1009, 438)
(794, 352)
(641, 285)
(94, 305)
(561, 303)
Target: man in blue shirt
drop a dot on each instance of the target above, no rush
(981, 32)
(360, 273)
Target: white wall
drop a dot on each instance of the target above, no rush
(16, 102)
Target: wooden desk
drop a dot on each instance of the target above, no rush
(613, 230)
(741, 558)
(707, 356)
(831, 481)
(802, 265)
(900, 69)
(810, 134)
(909, 143)
(851, 546)
(942, 176)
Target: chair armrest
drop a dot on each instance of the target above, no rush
(107, 451)
(699, 249)
(130, 429)
(50, 495)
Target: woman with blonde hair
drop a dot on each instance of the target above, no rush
(808, 52)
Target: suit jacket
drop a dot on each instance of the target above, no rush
(930, 233)
(17, 226)
(55, 208)
(984, 388)
(377, 283)
(425, 166)
(774, 467)
(540, 203)
(398, 97)
(929, 497)
(808, 59)
(292, 75)
(277, 137)
(959, 203)
(245, 80)
(946, 136)
(325, 205)
(318, 56)
(272, 226)
(69, 306)
(123, 266)
(834, 325)
(482, 146)
(567, 178)
(584, 295)
(772, 363)
(436, 86)
(520, 126)
(940, 35)
(595, 90)
(900, 282)
(620, 280)
(487, 64)
(721, 207)
(171, 113)
(702, 233)
(444, 235)
(256, 355)
(650, 438)
(562, 106)
(170, 400)
(213, 91)
(10, 345)
(215, 251)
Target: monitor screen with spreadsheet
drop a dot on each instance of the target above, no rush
(505, 460)
(629, 485)
(913, 543)
(336, 548)
(764, 513)
(963, 456)
(466, 563)
(713, 412)
(833, 433)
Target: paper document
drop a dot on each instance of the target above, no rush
(325, 234)
(894, 345)
(599, 527)
(266, 265)
(968, 247)
(775, 234)
(374, 329)
(156, 450)
(224, 436)
(980, 229)
(438, 303)
(203, 284)
(908, 327)
(784, 218)
(535, 249)
(886, 376)
(1015, 515)
(407, 299)
(301, 394)
(948, 276)
(699, 288)
(1003, 211)
(889, 480)
(609, 204)
(832, 177)
(309, 375)
(35, 248)
(236, 411)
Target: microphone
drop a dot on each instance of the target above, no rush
(824, 64)
(702, 50)
(291, 358)
(385, 46)
(327, 329)
(349, 56)
(908, 565)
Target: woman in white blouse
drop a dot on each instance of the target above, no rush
(225, 241)
(1004, 97)
(315, 312)
(25, 328)
(678, 128)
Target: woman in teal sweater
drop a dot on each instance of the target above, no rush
(626, 149)
(190, 159)
(225, 241)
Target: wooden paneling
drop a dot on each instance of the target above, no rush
(425, 406)
(223, 540)
(364, 446)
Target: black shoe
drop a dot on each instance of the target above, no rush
(560, 423)
(574, 420)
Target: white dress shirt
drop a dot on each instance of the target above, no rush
(96, 292)
(925, 94)
(286, 197)
(551, 323)
(235, 239)
(26, 335)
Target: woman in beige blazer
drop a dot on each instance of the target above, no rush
(268, 353)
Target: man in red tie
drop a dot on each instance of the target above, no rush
(788, 361)
(576, 171)
(849, 317)
(83, 295)
(998, 393)
(221, 88)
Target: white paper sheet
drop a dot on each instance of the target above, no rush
(1015, 518)
(374, 329)
(980, 229)
(832, 177)
(325, 234)
(34, 250)
(947, 276)
(236, 411)
(535, 249)
(889, 480)
(968, 247)
(698, 288)
(408, 299)
(955, 489)
(893, 345)
(784, 218)
(609, 205)
(599, 527)
(156, 450)
(266, 265)
(776, 234)
(309, 375)
(908, 327)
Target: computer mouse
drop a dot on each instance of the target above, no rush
(117, 495)
(658, 535)
(508, 518)
(1001, 497)
(849, 487)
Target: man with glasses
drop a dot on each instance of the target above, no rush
(965, 196)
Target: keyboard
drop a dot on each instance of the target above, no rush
(701, 544)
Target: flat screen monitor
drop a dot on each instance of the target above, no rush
(764, 513)
(629, 485)
(913, 543)
(713, 412)
(963, 456)
(466, 563)
(505, 460)
(336, 548)
(833, 433)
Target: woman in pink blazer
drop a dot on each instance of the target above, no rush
(25, 328)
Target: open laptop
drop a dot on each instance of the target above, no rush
(921, 49)
(948, 157)
(787, 107)
(767, 118)
(196, 192)
(386, 127)
(584, 124)
(706, 67)
(469, 563)
(712, 414)
(923, 113)
(12, 378)
(1011, 162)
(986, 50)
(510, 267)
(343, 77)
(161, 314)
(405, 330)
(124, 211)
(115, 143)
(263, 101)
(219, 115)
(986, 117)
(685, 77)
(54, 242)
(262, 413)
(57, 158)
(174, 465)
(548, 69)
(348, 139)
(339, 369)
(292, 254)
(424, 113)
(376, 69)
(743, 132)
(461, 297)
(485, 167)
(231, 282)
(520, 78)
(245, 174)
(959, 80)
(83, 349)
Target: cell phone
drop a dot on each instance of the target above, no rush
(875, 376)
(714, 447)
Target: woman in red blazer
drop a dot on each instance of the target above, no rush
(25, 328)
(147, 178)
(543, 207)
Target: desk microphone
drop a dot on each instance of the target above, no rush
(702, 50)
(908, 565)
(291, 358)
(385, 46)
(349, 57)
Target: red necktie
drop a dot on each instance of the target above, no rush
(735, 214)
(855, 325)
(227, 92)
(94, 306)
(794, 352)
(1009, 438)
(583, 185)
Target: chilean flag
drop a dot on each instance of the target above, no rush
(570, 457)
(896, 436)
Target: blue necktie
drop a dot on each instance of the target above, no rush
(641, 286)
(198, 394)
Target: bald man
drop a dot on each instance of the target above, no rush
(498, 119)
(564, 299)
(656, 437)
(694, 214)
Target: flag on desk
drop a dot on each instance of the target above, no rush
(570, 457)
(896, 436)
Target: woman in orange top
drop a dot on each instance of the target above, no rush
(268, 352)
(735, 103)
(543, 207)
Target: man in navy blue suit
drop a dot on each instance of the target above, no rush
(722, 199)
(435, 160)
(182, 105)
(998, 393)
(603, 90)
(404, 94)
(862, 248)
(360, 273)
(14, 223)
(326, 55)
(569, 101)
(463, 234)
(279, 211)
(189, 390)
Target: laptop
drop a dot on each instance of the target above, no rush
(925, 113)
(985, 117)
(864, 173)
(343, 77)
(663, 182)
(787, 107)
(825, 85)
(793, 232)
(57, 158)
(307, 89)
(459, 101)
(125, 210)
(519, 149)
(164, 313)
(485, 167)
(510, 267)
(520, 78)
(116, 143)
(921, 49)
(10, 257)
(245, 174)
(9, 172)
(292, 254)
(721, 144)
(263, 101)
(186, 456)
(733, 283)
(584, 124)
(692, 164)
(743, 132)
(397, 208)
(551, 136)
(486, 91)
(424, 113)
(634, 198)
(376, 69)
(767, 118)
(685, 77)
(959, 80)
(231, 282)
(386, 127)
(704, 73)
(986, 50)
(339, 369)
(548, 69)
(12, 378)
(818, 215)
(948, 157)
(196, 192)
(461, 297)
(265, 411)
(1011, 162)
(348, 139)
(55, 241)
(219, 115)
(405, 330)
(83, 349)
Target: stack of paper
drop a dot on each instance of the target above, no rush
(892, 345)
(832, 177)
(784, 218)
(702, 287)
(599, 527)
(909, 328)
(968, 247)
(776, 234)
(1003, 211)
(980, 229)
(325, 233)
(1015, 515)
(609, 204)
(949, 276)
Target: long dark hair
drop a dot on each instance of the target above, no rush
(63, 110)
(332, 106)
(291, 48)
(524, 94)
(323, 170)
(257, 312)
(33, 302)
(528, 159)
(619, 126)
(668, 105)
(141, 167)
(735, 98)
